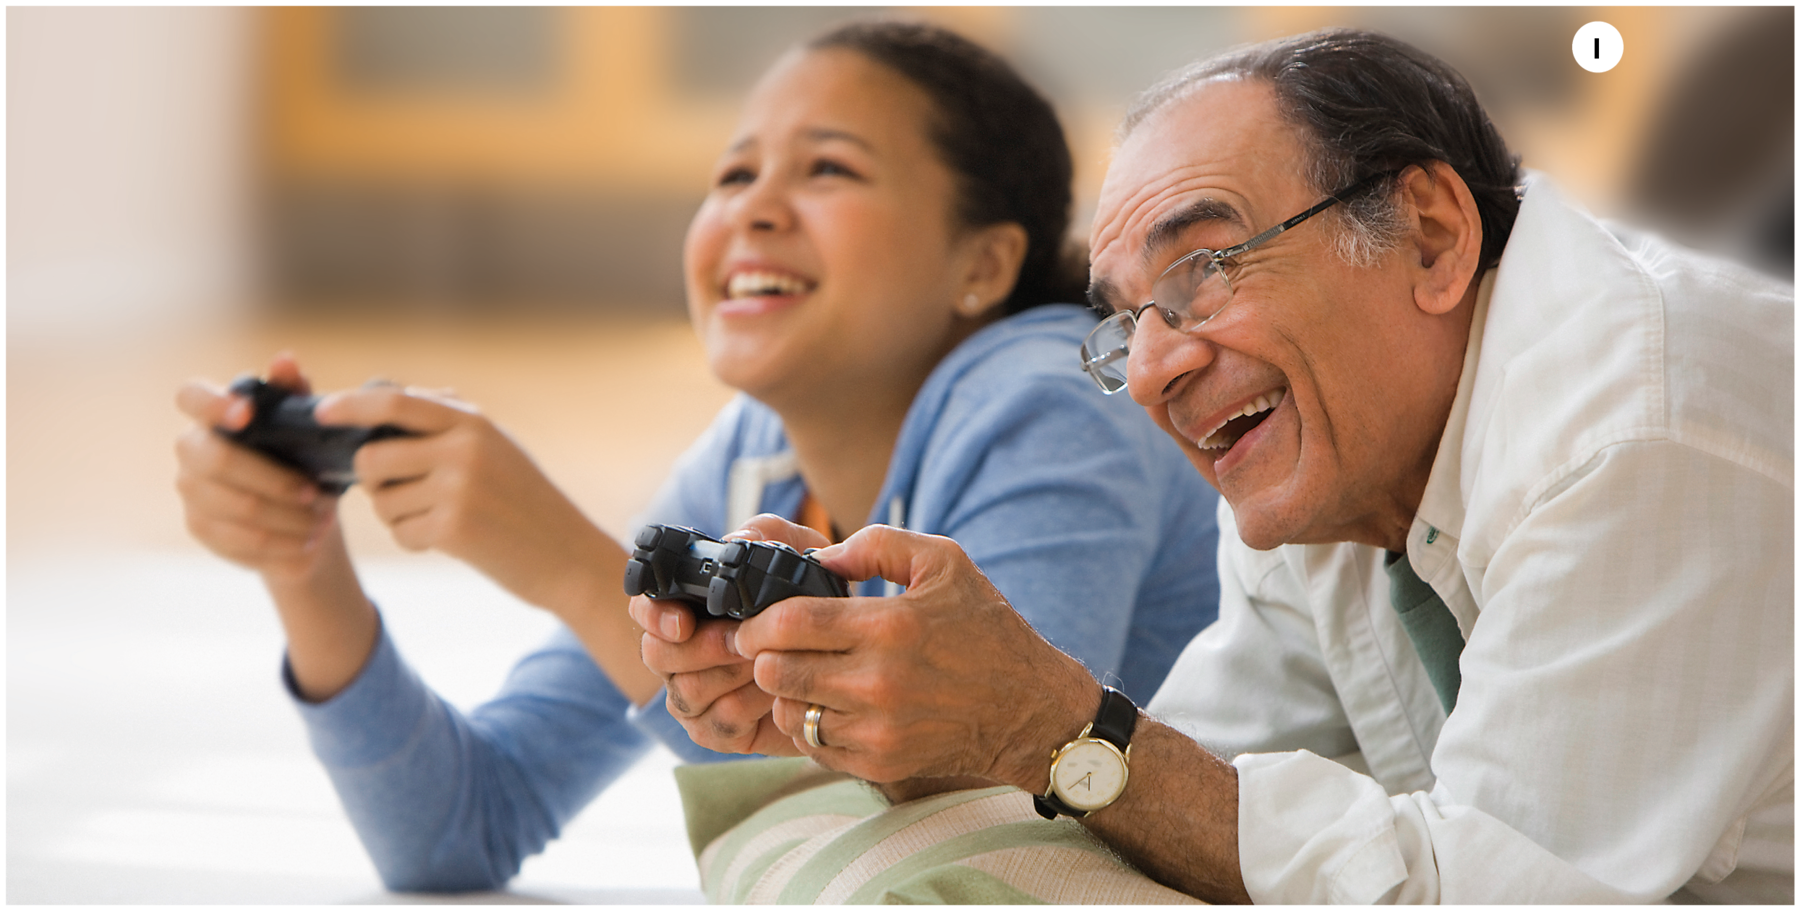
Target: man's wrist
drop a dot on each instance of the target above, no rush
(1061, 721)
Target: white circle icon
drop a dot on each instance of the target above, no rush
(1598, 46)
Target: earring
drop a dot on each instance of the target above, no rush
(971, 304)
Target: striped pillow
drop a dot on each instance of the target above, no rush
(787, 831)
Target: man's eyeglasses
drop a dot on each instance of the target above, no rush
(1187, 294)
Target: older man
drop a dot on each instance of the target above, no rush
(1508, 610)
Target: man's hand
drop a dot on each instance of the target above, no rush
(710, 686)
(944, 680)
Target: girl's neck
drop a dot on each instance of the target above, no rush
(844, 437)
(844, 454)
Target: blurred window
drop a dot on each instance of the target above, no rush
(721, 50)
(461, 48)
(1106, 55)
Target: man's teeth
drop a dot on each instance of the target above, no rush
(1264, 402)
(761, 284)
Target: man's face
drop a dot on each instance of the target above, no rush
(1345, 449)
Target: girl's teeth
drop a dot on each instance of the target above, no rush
(756, 284)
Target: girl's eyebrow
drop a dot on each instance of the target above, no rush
(815, 134)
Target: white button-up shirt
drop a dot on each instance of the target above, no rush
(1610, 518)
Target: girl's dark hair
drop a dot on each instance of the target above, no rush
(1369, 103)
(997, 135)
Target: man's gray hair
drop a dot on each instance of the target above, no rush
(1363, 104)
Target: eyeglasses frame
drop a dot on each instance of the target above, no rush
(1174, 320)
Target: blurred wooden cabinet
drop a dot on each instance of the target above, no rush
(471, 157)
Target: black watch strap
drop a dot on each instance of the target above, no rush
(1113, 723)
(1116, 719)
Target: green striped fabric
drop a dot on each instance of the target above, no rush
(786, 831)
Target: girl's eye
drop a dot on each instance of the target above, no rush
(738, 175)
(825, 167)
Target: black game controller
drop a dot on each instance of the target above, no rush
(734, 579)
(282, 427)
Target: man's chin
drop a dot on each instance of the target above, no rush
(1261, 525)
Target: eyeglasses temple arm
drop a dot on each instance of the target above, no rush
(1324, 204)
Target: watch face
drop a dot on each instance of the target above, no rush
(1089, 775)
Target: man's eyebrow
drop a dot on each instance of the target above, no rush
(1170, 227)
(1103, 298)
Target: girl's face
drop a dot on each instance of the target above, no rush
(826, 262)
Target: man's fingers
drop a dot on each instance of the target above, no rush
(669, 621)
(707, 649)
(800, 624)
(772, 741)
(829, 678)
(695, 693)
(771, 527)
(894, 554)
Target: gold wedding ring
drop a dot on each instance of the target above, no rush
(811, 727)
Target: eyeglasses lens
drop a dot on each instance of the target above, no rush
(1103, 354)
(1193, 289)
(1191, 292)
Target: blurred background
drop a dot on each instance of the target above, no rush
(493, 199)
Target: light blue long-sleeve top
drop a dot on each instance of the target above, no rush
(1082, 513)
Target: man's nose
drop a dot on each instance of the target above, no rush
(1161, 357)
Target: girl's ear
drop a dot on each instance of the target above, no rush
(995, 253)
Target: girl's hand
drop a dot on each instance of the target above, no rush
(462, 486)
(240, 504)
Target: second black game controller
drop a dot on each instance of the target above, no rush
(736, 579)
(283, 428)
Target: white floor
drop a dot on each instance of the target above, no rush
(152, 756)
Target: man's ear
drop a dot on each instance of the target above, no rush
(1446, 235)
(994, 254)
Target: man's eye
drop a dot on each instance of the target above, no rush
(736, 176)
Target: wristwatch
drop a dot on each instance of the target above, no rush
(1089, 772)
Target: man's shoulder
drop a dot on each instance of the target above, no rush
(1598, 337)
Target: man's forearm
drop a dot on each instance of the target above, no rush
(1177, 819)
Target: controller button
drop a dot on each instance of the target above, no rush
(634, 578)
(721, 598)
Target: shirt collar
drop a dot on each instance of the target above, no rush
(1437, 526)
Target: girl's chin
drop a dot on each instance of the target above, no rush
(745, 366)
